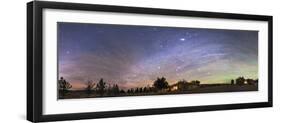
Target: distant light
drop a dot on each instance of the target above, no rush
(182, 39)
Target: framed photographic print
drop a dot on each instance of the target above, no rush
(96, 61)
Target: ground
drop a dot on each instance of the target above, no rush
(200, 89)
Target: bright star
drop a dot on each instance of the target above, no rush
(182, 39)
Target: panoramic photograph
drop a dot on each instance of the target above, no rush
(110, 60)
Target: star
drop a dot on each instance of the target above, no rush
(182, 39)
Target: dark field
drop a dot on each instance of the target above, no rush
(203, 88)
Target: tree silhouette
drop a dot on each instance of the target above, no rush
(109, 90)
(256, 81)
(195, 82)
(145, 89)
(115, 89)
(161, 83)
(140, 90)
(240, 81)
(151, 89)
(137, 90)
(182, 85)
(89, 86)
(232, 82)
(250, 81)
(101, 86)
(64, 86)
(130, 91)
(122, 91)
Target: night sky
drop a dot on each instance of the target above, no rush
(132, 56)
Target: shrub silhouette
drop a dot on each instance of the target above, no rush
(64, 86)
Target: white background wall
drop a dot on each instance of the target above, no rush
(13, 61)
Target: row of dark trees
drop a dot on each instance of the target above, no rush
(140, 90)
(90, 87)
(160, 84)
(102, 87)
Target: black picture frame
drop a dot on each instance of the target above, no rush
(35, 69)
